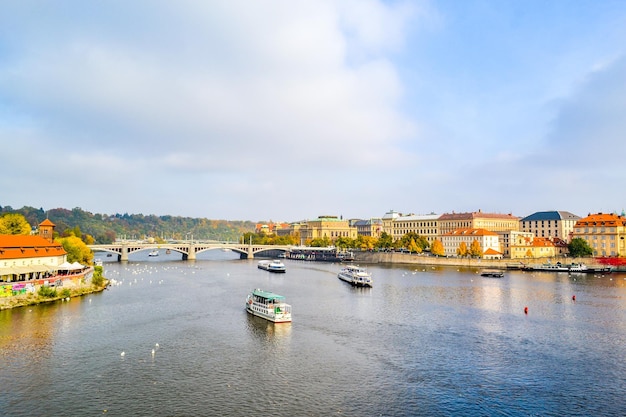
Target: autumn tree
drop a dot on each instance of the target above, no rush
(365, 242)
(77, 250)
(437, 248)
(14, 224)
(413, 247)
(462, 249)
(475, 249)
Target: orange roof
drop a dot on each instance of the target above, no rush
(602, 219)
(47, 222)
(21, 246)
(471, 232)
(542, 242)
(491, 251)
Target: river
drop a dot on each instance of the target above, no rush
(422, 342)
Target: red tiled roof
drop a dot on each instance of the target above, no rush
(47, 222)
(21, 246)
(471, 232)
(491, 251)
(602, 219)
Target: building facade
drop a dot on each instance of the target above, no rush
(550, 224)
(605, 233)
(424, 225)
(331, 227)
(488, 241)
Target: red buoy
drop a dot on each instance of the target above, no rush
(525, 310)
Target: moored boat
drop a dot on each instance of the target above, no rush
(154, 253)
(356, 276)
(269, 306)
(272, 266)
(492, 273)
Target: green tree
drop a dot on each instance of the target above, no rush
(77, 250)
(475, 249)
(14, 224)
(320, 242)
(437, 248)
(579, 247)
(385, 241)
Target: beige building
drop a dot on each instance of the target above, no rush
(330, 227)
(488, 241)
(388, 220)
(372, 227)
(424, 225)
(550, 224)
(605, 233)
(525, 245)
(502, 224)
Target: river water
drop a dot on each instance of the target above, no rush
(423, 342)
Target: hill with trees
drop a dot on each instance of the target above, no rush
(105, 228)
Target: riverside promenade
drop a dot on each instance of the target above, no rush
(415, 259)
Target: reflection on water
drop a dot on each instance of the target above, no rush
(423, 341)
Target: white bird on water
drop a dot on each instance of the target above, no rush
(123, 353)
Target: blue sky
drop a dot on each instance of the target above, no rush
(286, 110)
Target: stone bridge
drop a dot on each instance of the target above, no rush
(189, 250)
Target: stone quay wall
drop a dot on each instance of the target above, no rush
(408, 258)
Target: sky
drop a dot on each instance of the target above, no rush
(283, 110)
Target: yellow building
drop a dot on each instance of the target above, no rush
(605, 233)
(525, 245)
(331, 227)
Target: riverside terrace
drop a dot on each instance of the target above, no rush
(189, 250)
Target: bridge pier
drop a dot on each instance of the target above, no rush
(192, 252)
(124, 255)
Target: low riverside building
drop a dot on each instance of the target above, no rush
(488, 241)
(25, 258)
(424, 225)
(526, 245)
(605, 233)
(550, 224)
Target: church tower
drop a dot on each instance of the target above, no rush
(46, 230)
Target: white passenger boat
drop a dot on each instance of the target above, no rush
(272, 266)
(154, 253)
(269, 306)
(356, 276)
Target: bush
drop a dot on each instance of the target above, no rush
(66, 293)
(47, 292)
(97, 279)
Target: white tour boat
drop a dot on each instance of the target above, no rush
(272, 266)
(269, 306)
(356, 276)
(154, 253)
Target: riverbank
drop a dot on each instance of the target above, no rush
(415, 259)
(34, 298)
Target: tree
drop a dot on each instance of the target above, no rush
(14, 224)
(437, 248)
(475, 249)
(385, 241)
(413, 247)
(579, 247)
(77, 250)
(462, 249)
